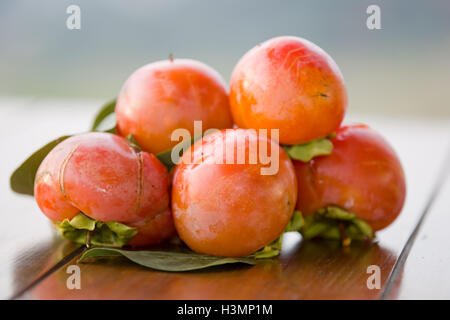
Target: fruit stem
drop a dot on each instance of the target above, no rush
(88, 239)
(346, 240)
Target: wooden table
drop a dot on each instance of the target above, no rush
(412, 254)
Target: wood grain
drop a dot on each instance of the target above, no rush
(306, 270)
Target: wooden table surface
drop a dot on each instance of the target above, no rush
(412, 253)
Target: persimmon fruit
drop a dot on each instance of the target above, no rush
(105, 178)
(167, 95)
(363, 175)
(289, 84)
(231, 209)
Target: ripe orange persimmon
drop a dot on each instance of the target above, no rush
(363, 175)
(102, 176)
(228, 208)
(290, 84)
(167, 95)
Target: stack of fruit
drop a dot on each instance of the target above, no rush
(227, 195)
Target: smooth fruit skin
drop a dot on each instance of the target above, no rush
(102, 176)
(231, 209)
(362, 175)
(153, 229)
(290, 84)
(166, 95)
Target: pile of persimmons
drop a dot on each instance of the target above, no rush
(272, 156)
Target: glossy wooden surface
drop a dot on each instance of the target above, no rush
(304, 271)
(32, 257)
(426, 272)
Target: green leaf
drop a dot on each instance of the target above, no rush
(166, 156)
(333, 212)
(274, 248)
(318, 228)
(305, 152)
(123, 231)
(22, 179)
(82, 229)
(166, 159)
(111, 130)
(336, 223)
(364, 228)
(166, 260)
(296, 222)
(132, 140)
(271, 250)
(82, 222)
(102, 114)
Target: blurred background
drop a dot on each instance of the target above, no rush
(402, 69)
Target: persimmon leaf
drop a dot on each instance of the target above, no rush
(307, 151)
(82, 229)
(174, 261)
(22, 179)
(132, 140)
(106, 110)
(166, 156)
(336, 223)
(273, 249)
(296, 222)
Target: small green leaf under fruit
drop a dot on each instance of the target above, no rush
(166, 159)
(333, 212)
(132, 140)
(273, 249)
(82, 229)
(22, 179)
(307, 151)
(102, 114)
(335, 223)
(166, 156)
(296, 222)
(166, 260)
(82, 222)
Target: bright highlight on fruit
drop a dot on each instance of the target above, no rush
(290, 84)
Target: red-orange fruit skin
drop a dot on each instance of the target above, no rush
(362, 175)
(102, 176)
(167, 95)
(290, 84)
(231, 209)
